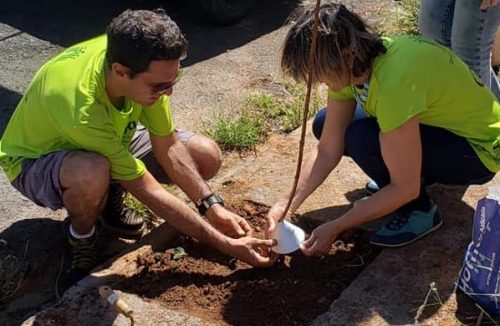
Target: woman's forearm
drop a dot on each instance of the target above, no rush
(315, 169)
(383, 202)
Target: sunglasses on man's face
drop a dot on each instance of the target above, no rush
(161, 88)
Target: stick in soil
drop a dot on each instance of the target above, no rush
(306, 108)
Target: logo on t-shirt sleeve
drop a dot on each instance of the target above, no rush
(72, 53)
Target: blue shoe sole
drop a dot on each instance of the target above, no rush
(407, 242)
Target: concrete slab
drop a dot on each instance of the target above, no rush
(87, 308)
(394, 286)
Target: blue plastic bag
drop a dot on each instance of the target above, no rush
(480, 274)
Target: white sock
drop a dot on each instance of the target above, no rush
(81, 236)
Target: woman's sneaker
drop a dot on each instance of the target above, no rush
(78, 260)
(406, 226)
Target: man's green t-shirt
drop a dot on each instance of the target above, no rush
(419, 78)
(66, 107)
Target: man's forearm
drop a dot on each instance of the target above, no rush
(147, 190)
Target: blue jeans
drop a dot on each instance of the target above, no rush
(467, 30)
(446, 157)
(319, 120)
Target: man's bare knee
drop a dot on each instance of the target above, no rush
(207, 155)
(85, 170)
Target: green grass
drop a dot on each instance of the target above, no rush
(149, 217)
(236, 133)
(266, 103)
(294, 108)
(132, 202)
(261, 114)
(403, 21)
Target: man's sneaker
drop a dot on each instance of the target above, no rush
(406, 226)
(371, 187)
(119, 218)
(78, 260)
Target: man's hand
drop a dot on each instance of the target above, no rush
(228, 223)
(321, 239)
(255, 252)
(485, 4)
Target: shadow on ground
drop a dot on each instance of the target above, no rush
(33, 246)
(8, 102)
(33, 250)
(68, 22)
(82, 306)
(396, 285)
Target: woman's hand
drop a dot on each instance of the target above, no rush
(274, 215)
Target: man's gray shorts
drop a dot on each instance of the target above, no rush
(39, 179)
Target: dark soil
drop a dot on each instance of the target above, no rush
(214, 287)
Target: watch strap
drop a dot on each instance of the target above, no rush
(205, 203)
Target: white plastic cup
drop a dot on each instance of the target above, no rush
(288, 236)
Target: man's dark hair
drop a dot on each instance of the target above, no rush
(340, 31)
(137, 37)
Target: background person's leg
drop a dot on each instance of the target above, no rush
(472, 38)
(436, 20)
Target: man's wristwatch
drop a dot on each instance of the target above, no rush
(205, 203)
